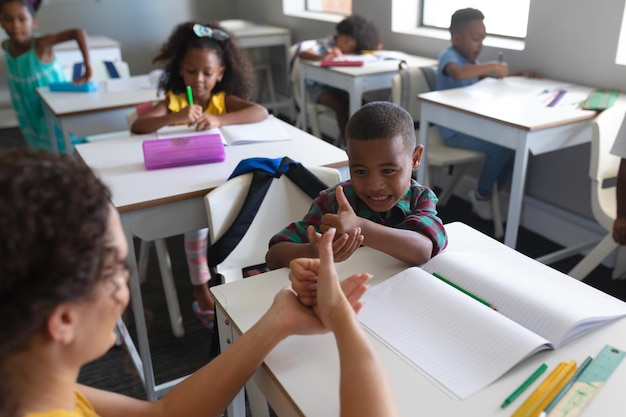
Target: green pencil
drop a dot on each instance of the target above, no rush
(189, 95)
(524, 385)
(464, 291)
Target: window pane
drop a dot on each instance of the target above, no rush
(343, 7)
(508, 18)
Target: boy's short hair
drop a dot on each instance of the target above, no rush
(364, 32)
(31, 5)
(462, 17)
(382, 120)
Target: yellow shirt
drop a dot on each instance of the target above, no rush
(83, 409)
(177, 102)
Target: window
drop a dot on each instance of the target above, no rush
(509, 19)
(506, 22)
(620, 57)
(328, 10)
(342, 7)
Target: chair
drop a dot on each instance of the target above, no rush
(283, 203)
(405, 87)
(314, 110)
(602, 166)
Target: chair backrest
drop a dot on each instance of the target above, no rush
(406, 85)
(603, 165)
(284, 203)
(294, 75)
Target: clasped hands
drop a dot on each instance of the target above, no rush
(193, 115)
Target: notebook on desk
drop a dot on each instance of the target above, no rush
(268, 130)
(464, 345)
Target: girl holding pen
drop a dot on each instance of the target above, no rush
(207, 82)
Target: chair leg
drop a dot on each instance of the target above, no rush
(171, 296)
(454, 180)
(498, 229)
(619, 271)
(314, 123)
(142, 265)
(593, 258)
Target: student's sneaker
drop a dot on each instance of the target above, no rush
(482, 208)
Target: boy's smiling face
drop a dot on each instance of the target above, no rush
(469, 40)
(381, 170)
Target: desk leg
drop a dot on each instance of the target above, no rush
(66, 137)
(303, 109)
(50, 120)
(517, 191)
(144, 365)
(237, 407)
(356, 97)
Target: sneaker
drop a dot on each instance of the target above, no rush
(482, 208)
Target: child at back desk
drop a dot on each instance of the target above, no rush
(459, 67)
(30, 64)
(354, 35)
(205, 58)
(381, 206)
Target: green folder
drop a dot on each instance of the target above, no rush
(600, 99)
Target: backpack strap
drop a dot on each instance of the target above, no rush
(260, 184)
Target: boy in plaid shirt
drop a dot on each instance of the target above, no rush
(381, 206)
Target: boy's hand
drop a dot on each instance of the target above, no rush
(499, 70)
(343, 246)
(304, 273)
(345, 220)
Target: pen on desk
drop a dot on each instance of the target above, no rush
(542, 368)
(530, 407)
(464, 291)
(566, 387)
(189, 95)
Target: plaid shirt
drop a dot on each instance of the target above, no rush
(415, 211)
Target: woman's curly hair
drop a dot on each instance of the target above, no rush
(54, 215)
(238, 78)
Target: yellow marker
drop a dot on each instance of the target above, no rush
(532, 406)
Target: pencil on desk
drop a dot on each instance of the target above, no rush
(547, 389)
(524, 385)
(464, 291)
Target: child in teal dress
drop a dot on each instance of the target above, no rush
(31, 64)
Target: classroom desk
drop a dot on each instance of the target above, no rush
(371, 76)
(300, 377)
(101, 111)
(511, 112)
(167, 202)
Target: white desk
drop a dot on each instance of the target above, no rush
(168, 202)
(300, 377)
(510, 112)
(371, 76)
(100, 111)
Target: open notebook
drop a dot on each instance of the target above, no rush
(268, 130)
(464, 345)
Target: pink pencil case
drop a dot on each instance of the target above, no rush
(188, 150)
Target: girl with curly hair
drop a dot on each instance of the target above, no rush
(205, 60)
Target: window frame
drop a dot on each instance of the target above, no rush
(297, 8)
